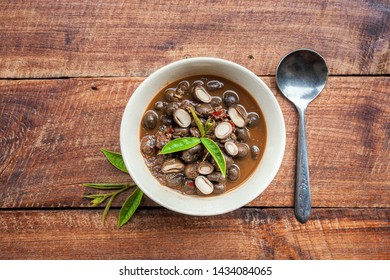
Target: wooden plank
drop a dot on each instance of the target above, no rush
(161, 234)
(51, 132)
(134, 38)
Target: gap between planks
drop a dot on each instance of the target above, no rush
(151, 208)
(137, 77)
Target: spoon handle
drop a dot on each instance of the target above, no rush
(302, 186)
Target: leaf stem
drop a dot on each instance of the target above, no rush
(207, 154)
(198, 122)
(122, 190)
(109, 186)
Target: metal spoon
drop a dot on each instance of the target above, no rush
(301, 75)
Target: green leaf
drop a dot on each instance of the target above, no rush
(209, 125)
(115, 159)
(216, 153)
(198, 122)
(96, 199)
(107, 208)
(99, 198)
(109, 186)
(92, 196)
(179, 144)
(128, 208)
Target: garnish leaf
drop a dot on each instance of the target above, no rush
(97, 199)
(198, 122)
(216, 153)
(107, 208)
(131, 204)
(115, 159)
(179, 144)
(108, 186)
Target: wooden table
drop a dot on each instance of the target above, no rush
(68, 68)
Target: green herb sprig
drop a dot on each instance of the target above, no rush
(132, 202)
(185, 143)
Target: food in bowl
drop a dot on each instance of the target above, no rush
(178, 201)
(191, 122)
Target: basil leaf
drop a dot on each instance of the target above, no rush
(179, 144)
(128, 208)
(108, 186)
(216, 153)
(198, 122)
(115, 159)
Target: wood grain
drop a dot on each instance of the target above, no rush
(40, 39)
(51, 132)
(161, 234)
(68, 68)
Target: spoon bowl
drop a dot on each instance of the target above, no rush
(301, 75)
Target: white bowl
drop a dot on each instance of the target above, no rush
(196, 205)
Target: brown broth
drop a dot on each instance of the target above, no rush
(258, 133)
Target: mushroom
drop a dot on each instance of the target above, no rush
(216, 177)
(229, 161)
(204, 185)
(255, 152)
(166, 120)
(191, 170)
(216, 101)
(160, 105)
(214, 85)
(192, 154)
(149, 119)
(173, 165)
(189, 187)
(181, 132)
(242, 134)
(230, 98)
(231, 148)
(238, 115)
(204, 109)
(197, 83)
(171, 108)
(253, 119)
(182, 118)
(233, 172)
(148, 144)
(182, 88)
(174, 179)
(243, 150)
(201, 94)
(187, 104)
(205, 168)
(219, 188)
(223, 130)
(169, 94)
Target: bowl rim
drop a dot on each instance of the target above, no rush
(184, 202)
